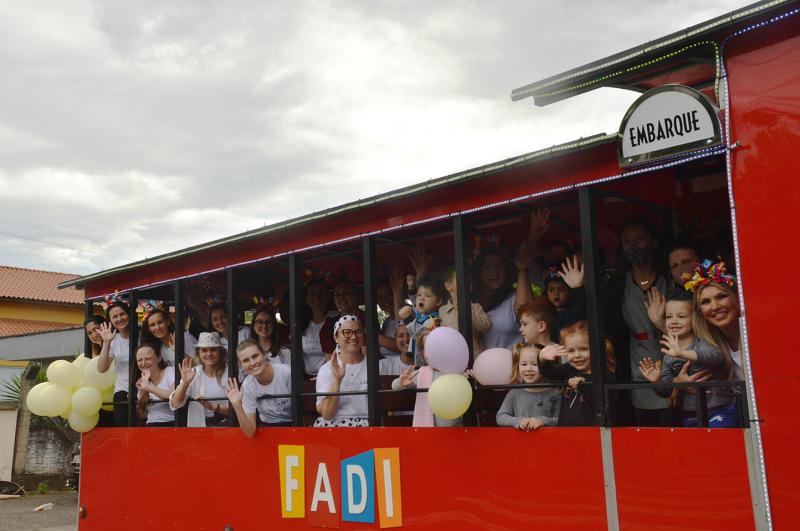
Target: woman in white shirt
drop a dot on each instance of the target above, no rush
(207, 384)
(158, 329)
(265, 378)
(156, 383)
(116, 341)
(265, 333)
(345, 371)
(218, 319)
(316, 298)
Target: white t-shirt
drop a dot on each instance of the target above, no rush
(270, 410)
(213, 390)
(160, 411)
(355, 379)
(284, 357)
(505, 325)
(120, 353)
(389, 329)
(168, 354)
(244, 333)
(738, 371)
(312, 347)
(392, 365)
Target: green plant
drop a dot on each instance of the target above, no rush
(42, 488)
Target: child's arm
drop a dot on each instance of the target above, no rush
(549, 365)
(505, 415)
(671, 347)
(407, 380)
(480, 321)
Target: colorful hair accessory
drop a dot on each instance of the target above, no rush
(148, 308)
(342, 320)
(708, 272)
(113, 299)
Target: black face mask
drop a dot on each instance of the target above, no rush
(639, 255)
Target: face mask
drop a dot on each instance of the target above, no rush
(639, 255)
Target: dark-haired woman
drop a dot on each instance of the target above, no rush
(218, 320)
(265, 332)
(92, 327)
(116, 341)
(158, 329)
(155, 385)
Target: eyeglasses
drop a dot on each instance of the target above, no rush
(261, 322)
(348, 333)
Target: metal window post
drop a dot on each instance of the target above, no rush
(233, 334)
(296, 304)
(133, 341)
(593, 313)
(371, 335)
(88, 310)
(180, 347)
(463, 292)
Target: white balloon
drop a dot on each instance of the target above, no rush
(87, 401)
(63, 373)
(99, 380)
(33, 399)
(81, 423)
(54, 400)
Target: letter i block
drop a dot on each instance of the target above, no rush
(322, 476)
(291, 463)
(358, 488)
(387, 482)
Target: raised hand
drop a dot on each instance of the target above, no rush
(650, 370)
(656, 305)
(421, 259)
(552, 352)
(524, 256)
(396, 280)
(575, 381)
(234, 392)
(540, 223)
(337, 370)
(187, 371)
(407, 377)
(671, 346)
(572, 272)
(107, 332)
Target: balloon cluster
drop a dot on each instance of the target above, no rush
(74, 391)
(449, 395)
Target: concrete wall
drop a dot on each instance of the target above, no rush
(8, 428)
(47, 453)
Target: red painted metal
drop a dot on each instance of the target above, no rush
(483, 478)
(681, 479)
(764, 76)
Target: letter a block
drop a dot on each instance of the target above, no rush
(324, 486)
(358, 488)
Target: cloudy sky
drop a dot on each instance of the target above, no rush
(130, 129)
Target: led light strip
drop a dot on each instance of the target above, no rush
(685, 158)
(755, 426)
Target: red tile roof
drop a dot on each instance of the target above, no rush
(18, 327)
(35, 285)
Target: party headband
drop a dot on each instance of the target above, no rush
(150, 307)
(706, 273)
(342, 320)
(113, 299)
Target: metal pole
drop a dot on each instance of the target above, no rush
(180, 347)
(88, 310)
(371, 336)
(593, 314)
(132, 344)
(233, 335)
(296, 304)
(463, 290)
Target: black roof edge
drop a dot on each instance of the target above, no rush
(637, 53)
(528, 158)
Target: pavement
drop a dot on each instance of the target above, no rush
(17, 514)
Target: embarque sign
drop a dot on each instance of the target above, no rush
(665, 121)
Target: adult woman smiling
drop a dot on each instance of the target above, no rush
(207, 383)
(116, 341)
(265, 333)
(158, 329)
(218, 319)
(345, 371)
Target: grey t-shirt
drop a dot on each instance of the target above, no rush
(521, 404)
(645, 339)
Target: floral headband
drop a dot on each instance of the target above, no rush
(706, 273)
(113, 298)
(148, 308)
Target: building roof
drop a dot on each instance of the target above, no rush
(36, 285)
(21, 327)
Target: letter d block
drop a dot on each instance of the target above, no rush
(358, 488)
(291, 463)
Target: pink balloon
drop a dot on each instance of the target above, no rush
(446, 350)
(493, 367)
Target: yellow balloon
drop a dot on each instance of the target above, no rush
(96, 379)
(108, 398)
(80, 362)
(81, 423)
(87, 401)
(65, 415)
(449, 396)
(54, 400)
(33, 399)
(63, 373)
